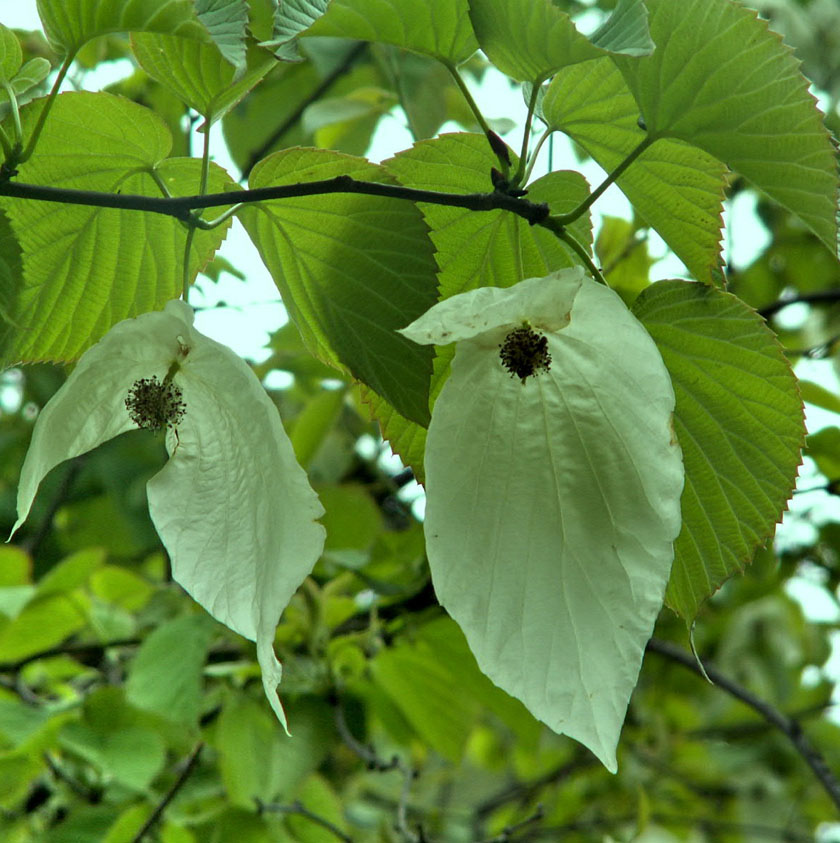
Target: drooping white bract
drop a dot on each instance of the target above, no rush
(553, 500)
(232, 506)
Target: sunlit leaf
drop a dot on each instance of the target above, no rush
(438, 28)
(740, 424)
(71, 23)
(676, 188)
(198, 74)
(722, 81)
(85, 268)
(532, 39)
(351, 269)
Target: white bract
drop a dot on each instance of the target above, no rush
(232, 506)
(553, 502)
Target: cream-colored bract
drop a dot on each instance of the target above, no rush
(232, 506)
(552, 505)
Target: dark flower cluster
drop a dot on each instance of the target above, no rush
(154, 405)
(525, 352)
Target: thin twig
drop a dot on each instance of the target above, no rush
(301, 810)
(522, 791)
(368, 754)
(189, 766)
(328, 81)
(784, 724)
(707, 824)
(509, 830)
(819, 297)
(66, 649)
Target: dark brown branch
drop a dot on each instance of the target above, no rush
(709, 825)
(314, 95)
(181, 207)
(523, 791)
(784, 724)
(93, 649)
(189, 766)
(820, 297)
(301, 810)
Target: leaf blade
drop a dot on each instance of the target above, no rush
(731, 379)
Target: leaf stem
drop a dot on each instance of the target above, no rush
(565, 219)
(534, 154)
(193, 221)
(518, 178)
(191, 761)
(462, 86)
(553, 224)
(42, 117)
(13, 104)
(6, 144)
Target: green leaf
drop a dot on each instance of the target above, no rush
(438, 28)
(232, 507)
(553, 498)
(257, 761)
(722, 81)
(227, 22)
(678, 189)
(86, 268)
(739, 422)
(111, 737)
(351, 269)
(71, 23)
(473, 249)
(824, 449)
(11, 56)
(43, 623)
(624, 257)
(198, 73)
(531, 40)
(492, 248)
(315, 421)
(819, 396)
(427, 692)
(165, 675)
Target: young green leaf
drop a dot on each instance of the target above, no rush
(677, 188)
(351, 270)
(437, 28)
(198, 73)
(232, 506)
(227, 22)
(71, 23)
(86, 268)
(722, 81)
(553, 482)
(739, 420)
(531, 40)
(11, 56)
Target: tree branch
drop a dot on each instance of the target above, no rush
(784, 724)
(314, 95)
(181, 207)
(820, 297)
(191, 761)
(301, 810)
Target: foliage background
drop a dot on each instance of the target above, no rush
(111, 677)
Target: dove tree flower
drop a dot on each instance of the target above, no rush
(232, 506)
(553, 482)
